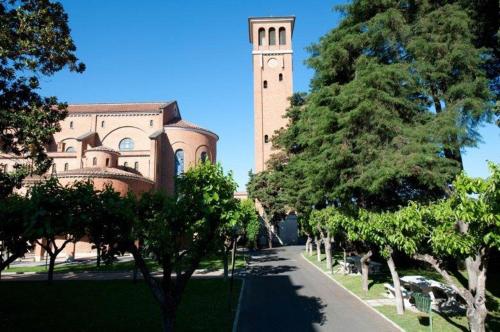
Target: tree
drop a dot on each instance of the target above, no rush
(14, 240)
(328, 223)
(265, 190)
(466, 225)
(57, 217)
(107, 210)
(244, 218)
(447, 54)
(178, 231)
(36, 43)
(251, 220)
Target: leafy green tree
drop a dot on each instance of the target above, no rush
(104, 211)
(36, 43)
(251, 222)
(243, 218)
(466, 225)
(441, 48)
(388, 232)
(14, 240)
(58, 217)
(264, 188)
(328, 224)
(178, 231)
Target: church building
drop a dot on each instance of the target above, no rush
(132, 146)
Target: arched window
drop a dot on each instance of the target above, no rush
(282, 33)
(179, 162)
(280, 77)
(266, 139)
(66, 166)
(203, 156)
(262, 35)
(272, 36)
(265, 84)
(151, 123)
(71, 124)
(107, 162)
(125, 164)
(126, 144)
(94, 161)
(102, 124)
(70, 149)
(136, 165)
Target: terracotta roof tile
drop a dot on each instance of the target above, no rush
(102, 148)
(117, 107)
(180, 123)
(101, 172)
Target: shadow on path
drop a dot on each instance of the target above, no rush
(272, 302)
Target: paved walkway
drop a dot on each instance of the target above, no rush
(283, 292)
(30, 276)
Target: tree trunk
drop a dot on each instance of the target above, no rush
(225, 262)
(400, 309)
(365, 261)
(477, 313)
(52, 262)
(328, 251)
(308, 244)
(472, 265)
(234, 250)
(98, 247)
(476, 303)
(168, 320)
(318, 247)
(345, 262)
(269, 236)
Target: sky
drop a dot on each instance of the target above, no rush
(198, 53)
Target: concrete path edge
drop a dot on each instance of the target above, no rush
(354, 295)
(237, 314)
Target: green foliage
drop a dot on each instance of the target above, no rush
(249, 220)
(399, 89)
(329, 220)
(55, 210)
(476, 203)
(266, 189)
(36, 43)
(14, 239)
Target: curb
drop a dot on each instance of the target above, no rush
(237, 314)
(354, 295)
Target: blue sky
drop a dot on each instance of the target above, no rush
(198, 53)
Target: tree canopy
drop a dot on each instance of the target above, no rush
(36, 43)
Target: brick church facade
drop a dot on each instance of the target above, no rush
(132, 146)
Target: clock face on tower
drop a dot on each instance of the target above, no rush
(272, 63)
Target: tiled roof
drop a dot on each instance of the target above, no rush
(180, 123)
(101, 172)
(102, 148)
(117, 107)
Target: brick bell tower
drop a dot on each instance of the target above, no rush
(271, 38)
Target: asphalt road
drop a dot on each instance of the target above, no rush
(283, 292)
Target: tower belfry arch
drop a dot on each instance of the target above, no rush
(272, 55)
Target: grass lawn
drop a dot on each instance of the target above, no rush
(411, 321)
(211, 263)
(117, 305)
